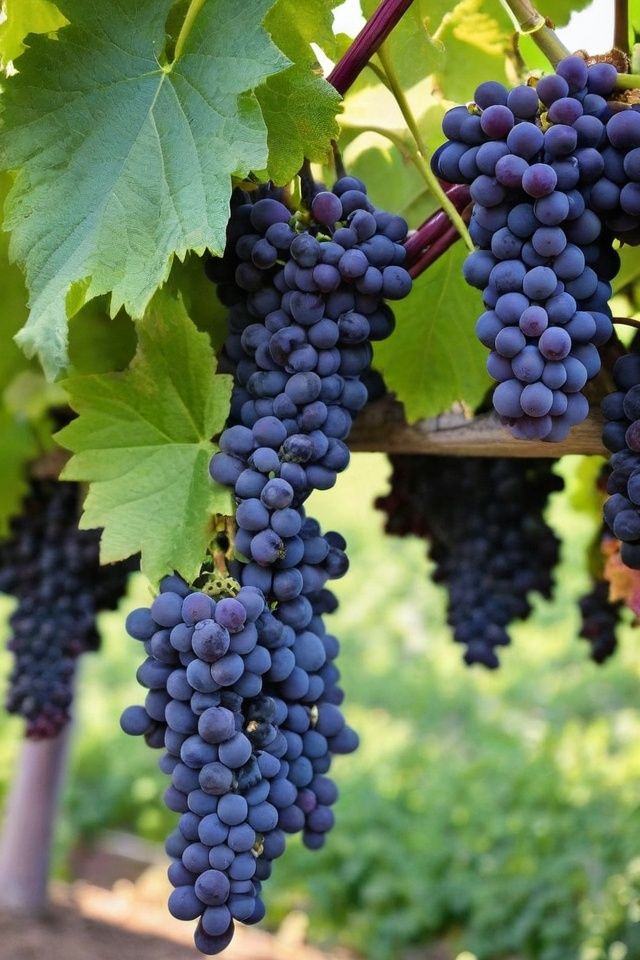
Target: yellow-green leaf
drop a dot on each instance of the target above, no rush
(143, 441)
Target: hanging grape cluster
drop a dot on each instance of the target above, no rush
(243, 688)
(53, 570)
(551, 170)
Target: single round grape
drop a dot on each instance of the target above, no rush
(623, 129)
(539, 180)
(533, 321)
(601, 78)
(555, 343)
(539, 283)
(536, 400)
(551, 88)
(523, 101)
(496, 121)
(326, 207)
(510, 341)
(525, 140)
(506, 398)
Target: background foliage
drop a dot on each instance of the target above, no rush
(497, 812)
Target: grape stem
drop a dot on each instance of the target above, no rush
(627, 322)
(628, 81)
(374, 32)
(421, 158)
(529, 22)
(621, 26)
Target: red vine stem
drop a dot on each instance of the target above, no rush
(431, 254)
(437, 224)
(374, 32)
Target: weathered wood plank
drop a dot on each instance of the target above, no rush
(382, 427)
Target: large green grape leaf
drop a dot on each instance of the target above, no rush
(126, 160)
(99, 343)
(13, 311)
(143, 441)
(22, 17)
(298, 105)
(18, 446)
(433, 358)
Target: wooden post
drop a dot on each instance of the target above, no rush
(25, 843)
(381, 427)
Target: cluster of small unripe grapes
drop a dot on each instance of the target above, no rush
(484, 521)
(244, 691)
(52, 568)
(553, 167)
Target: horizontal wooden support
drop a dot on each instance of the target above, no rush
(382, 427)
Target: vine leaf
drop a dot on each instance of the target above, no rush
(298, 105)
(126, 160)
(142, 441)
(18, 443)
(14, 303)
(22, 17)
(433, 358)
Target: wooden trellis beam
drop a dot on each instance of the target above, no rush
(382, 427)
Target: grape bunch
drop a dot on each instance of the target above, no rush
(244, 690)
(246, 706)
(537, 160)
(52, 568)
(484, 520)
(600, 617)
(621, 435)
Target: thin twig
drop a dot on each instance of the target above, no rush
(422, 158)
(627, 322)
(621, 26)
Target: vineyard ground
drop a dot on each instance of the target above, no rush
(128, 921)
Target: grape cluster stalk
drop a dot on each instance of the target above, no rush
(552, 171)
(53, 570)
(243, 690)
(492, 548)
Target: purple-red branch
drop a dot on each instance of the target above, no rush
(437, 234)
(374, 32)
(435, 250)
(437, 224)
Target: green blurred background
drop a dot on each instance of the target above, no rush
(497, 812)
